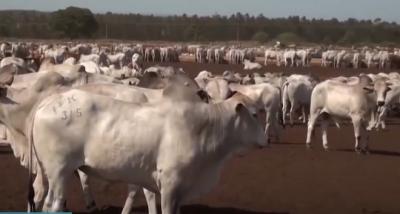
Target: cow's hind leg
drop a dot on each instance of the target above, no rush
(268, 124)
(49, 200)
(310, 127)
(151, 201)
(293, 108)
(132, 190)
(170, 200)
(324, 130)
(357, 132)
(40, 188)
(57, 183)
(90, 203)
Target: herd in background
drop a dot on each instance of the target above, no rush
(59, 95)
(127, 59)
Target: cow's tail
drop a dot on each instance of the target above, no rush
(281, 113)
(281, 94)
(32, 160)
(31, 191)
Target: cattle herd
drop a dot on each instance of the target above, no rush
(97, 110)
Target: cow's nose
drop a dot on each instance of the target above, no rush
(381, 103)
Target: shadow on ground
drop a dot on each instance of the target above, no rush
(189, 209)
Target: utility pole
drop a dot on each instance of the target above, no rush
(106, 31)
(238, 34)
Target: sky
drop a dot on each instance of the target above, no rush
(388, 10)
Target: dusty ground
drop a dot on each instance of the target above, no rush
(285, 178)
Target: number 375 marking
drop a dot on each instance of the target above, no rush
(71, 113)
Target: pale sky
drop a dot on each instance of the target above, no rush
(388, 10)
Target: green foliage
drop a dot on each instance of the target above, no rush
(288, 37)
(81, 23)
(261, 37)
(74, 22)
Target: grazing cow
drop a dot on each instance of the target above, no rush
(339, 100)
(160, 162)
(248, 65)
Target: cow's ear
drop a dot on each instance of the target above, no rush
(239, 107)
(368, 89)
(203, 96)
(231, 94)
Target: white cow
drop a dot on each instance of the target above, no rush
(271, 54)
(340, 100)
(202, 78)
(289, 55)
(12, 60)
(90, 57)
(328, 57)
(189, 139)
(218, 89)
(297, 93)
(248, 65)
(267, 98)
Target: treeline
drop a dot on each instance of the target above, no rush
(243, 27)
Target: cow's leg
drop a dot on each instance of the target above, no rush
(381, 118)
(284, 110)
(49, 200)
(357, 132)
(57, 182)
(267, 125)
(310, 128)
(277, 129)
(293, 107)
(132, 190)
(151, 201)
(90, 203)
(324, 130)
(40, 187)
(3, 132)
(170, 197)
(305, 115)
(365, 139)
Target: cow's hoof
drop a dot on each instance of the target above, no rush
(308, 146)
(326, 149)
(358, 150)
(92, 208)
(366, 151)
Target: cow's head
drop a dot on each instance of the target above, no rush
(381, 87)
(249, 130)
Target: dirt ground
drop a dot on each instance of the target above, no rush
(285, 178)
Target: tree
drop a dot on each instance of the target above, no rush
(288, 37)
(74, 22)
(260, 37)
